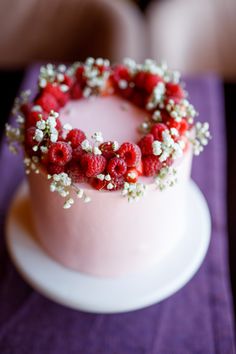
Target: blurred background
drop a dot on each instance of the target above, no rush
(197, 37)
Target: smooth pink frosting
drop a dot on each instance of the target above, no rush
(109, 236)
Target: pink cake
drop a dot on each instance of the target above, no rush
(113, 145)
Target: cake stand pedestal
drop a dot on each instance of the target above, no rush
(107, 295)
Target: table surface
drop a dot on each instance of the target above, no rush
(197, 319)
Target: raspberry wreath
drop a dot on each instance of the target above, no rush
(69, 157)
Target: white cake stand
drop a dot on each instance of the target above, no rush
(101, 295)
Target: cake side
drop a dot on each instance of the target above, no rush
(110, 237)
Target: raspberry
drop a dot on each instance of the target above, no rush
(151, 81)
(68, 81)
(53, 168)
(151, 165)
(75, 136)
(121, 72)
(29, 137)
(183, 126)
(60, 153)
(54, 90)
(79, 74)
(174, 91)
(173, 124)
(48, 102)
(139, 80)
(76, 91)
(145, 144)
(157, 130)
(92, 164)
(96, 183)
(77, 153)
(139, 98)
(25, 108)
(107, 149)
(75, 172)
(131, 175)
(130, 153)
(33, 117)
(118, 183)
(146, 81)
(116, 167)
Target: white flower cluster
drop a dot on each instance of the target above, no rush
(46, 128)
(14, 137)
(202, 136)
(168, 147)
(31, 164)
(95, 79)
(157, 96)
(50, 73)
(94, 146)
(134, 191)
(61, 184)
(107, 178)
(166, 178)
(19, 101)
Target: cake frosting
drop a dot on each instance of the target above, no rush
(109, 136)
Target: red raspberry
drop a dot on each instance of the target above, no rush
(183, 126)
(116, 167)
(25, 108)
(151, 165)
(68, 80)
(139, 168)
(174, 91)
(75, 136)
(157, 130)
(77, 153)
(53, 168)
(118, 183)
(130, 153)
(93, 165)
(29, 137)
(131, 175)
(96, 183)
(79, 74)
(54, 90)
(173, 124)
(145, 144)
(107, 149)
(33, 117)
(146, 81)
(120, 72)
(48, 102)
(139, 98)
(151, 81)
(76, 91)
(60, 153)
(75, 172)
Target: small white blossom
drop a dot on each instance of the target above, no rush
(38, 136)
(97, 136)
(41, 124)
(157, 147)
(68, 203)
(67, 126)
(97, 151)
(115, 146)
(110, 186)
(86, 145)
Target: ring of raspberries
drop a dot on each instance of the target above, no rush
(107, 165)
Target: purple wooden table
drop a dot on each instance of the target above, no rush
(197, 319)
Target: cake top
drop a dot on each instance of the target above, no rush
(69, 157)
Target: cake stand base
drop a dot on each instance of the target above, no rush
(106, 295)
